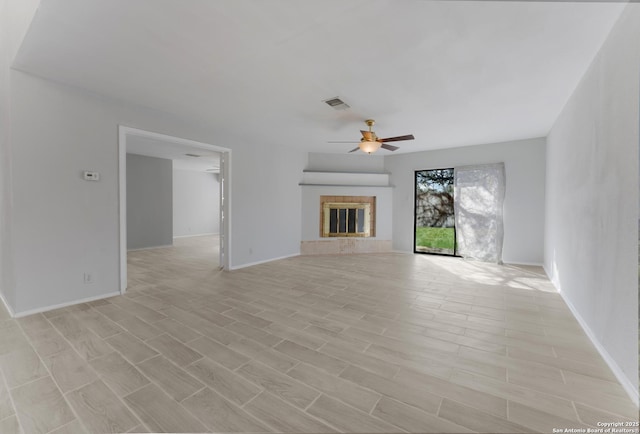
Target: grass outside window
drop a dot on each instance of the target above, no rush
(438, 239)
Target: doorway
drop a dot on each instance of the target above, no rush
(163, 146)
(458, 211)
(434, 214)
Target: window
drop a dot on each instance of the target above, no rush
(479, 196)
(459, 211)
(434, 212)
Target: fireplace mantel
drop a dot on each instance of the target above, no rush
(345, 179)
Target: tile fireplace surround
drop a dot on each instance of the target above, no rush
(345, 246)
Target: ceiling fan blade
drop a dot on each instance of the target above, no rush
(354, 150)
(351, 141)
(397, 139)
(389, 147)
(368, 135)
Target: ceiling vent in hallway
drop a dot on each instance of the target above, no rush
(336, 103)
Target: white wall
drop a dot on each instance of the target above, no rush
(265, 203)
(356, 162)
(15, 18)
(64, 226)
(196, 203)
(523, 204)
(6, 291)
(149, 202)
(592, 199)
(18, 16)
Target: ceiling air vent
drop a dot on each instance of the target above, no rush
(336, 103)
(193, 155)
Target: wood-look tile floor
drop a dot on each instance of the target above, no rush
(363, 343)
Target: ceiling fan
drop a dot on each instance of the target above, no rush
(370, 143)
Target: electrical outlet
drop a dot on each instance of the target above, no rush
(88, 278)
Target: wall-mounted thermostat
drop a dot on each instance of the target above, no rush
(91, 176)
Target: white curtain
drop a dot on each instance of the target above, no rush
(479, 194)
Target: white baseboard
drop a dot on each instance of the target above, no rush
(532, 264)
(251, 264)
(150, 248)
(68, 303)
(6, 305)
(615, 368)
(506, 262)
(196, 235)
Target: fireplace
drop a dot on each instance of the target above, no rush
(347, 216)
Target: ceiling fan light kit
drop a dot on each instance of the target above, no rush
(369, 146)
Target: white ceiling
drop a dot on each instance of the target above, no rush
(207, 161)
(452, 73)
